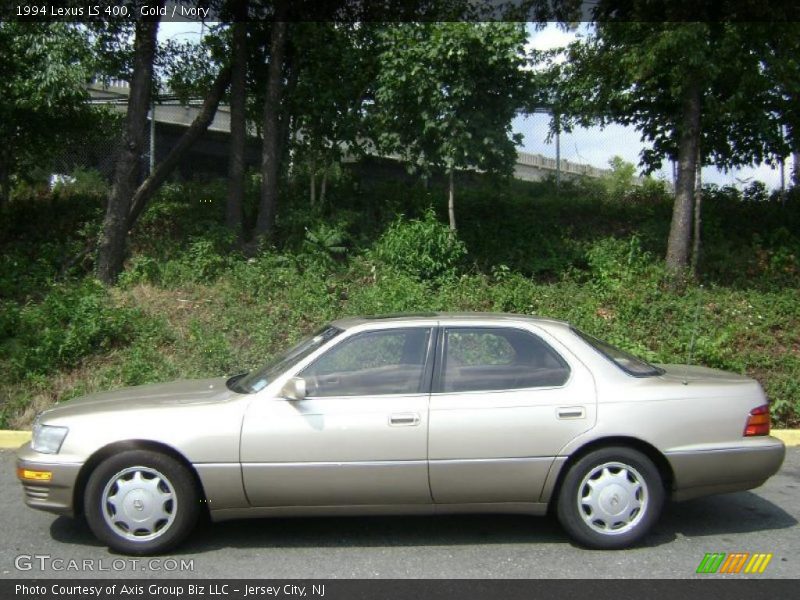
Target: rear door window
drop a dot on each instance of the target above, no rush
(498, 358)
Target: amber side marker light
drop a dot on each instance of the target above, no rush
(758, 421)
(29, 475)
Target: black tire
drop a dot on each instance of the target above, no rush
(630, 484)
(179, 511)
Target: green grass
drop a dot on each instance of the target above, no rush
(190, 305)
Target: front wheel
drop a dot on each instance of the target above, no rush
(610, 498)
(141, 502)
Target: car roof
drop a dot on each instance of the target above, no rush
(444, 317)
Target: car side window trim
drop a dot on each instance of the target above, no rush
(430, 360)
(438, 375)
(427, 367)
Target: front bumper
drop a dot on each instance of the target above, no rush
(56, 495)
(705, 471)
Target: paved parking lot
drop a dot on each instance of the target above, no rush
(764, 520)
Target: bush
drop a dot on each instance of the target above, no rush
(615, 262)
(425, 249)
(73, 321)
(323, 245)
(578, 255)
(203, 260)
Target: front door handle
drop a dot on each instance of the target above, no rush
(404, 420)
(571, 412)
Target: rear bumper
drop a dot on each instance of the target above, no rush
(57, 494)
(705, 471)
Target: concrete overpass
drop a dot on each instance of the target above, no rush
(171, 117)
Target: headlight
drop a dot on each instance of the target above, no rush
(47, 439)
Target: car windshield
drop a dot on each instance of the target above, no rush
(255, 381)
(625, 361)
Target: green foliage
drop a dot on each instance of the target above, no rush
(180, 212)
(324, 244)
(190, 306)
(214, 351)
(422, 248)
(72, 322)
(446, 93)
(756, 191)
(201, 261)
(614, 263)
(39, 238)
(619, 183)
(389, 292)
(637, 71)
(83, 183)
(327, 107)
(43, 78)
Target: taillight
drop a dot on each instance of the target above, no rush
(758, 421)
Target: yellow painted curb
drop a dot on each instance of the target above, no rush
(14, 439)
(790, 437)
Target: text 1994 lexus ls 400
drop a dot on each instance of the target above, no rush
(416, 414)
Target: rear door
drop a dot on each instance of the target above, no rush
(505, 400)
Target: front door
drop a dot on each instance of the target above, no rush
(358, 438)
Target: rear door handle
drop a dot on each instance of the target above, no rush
(571, 412)
(404, 420)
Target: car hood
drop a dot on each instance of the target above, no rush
(690, 373)
(194, 391)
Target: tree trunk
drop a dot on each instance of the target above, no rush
(680, 233)
(312, 190)
(674, 175)
(5, 177)
(285, 119)
(198, 127)
(113, 241)
(796, 168)
(323, 187)
(698, 205)
(233, 207)
(265, 224)
(451, 206)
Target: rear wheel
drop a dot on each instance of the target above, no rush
(610, 498)
(141, 502)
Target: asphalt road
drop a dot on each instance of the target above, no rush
(764, 520)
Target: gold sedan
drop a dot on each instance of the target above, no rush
(414, 414)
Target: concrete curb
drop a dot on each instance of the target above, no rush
(14, 439)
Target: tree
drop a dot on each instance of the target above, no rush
(783, 70)
(446, 94)
(113, 241)
(270, 156)
(335, 80)
(697, 92)
(43, 78)
(233, 209)
(128, 196)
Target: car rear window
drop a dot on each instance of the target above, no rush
(629, 363)
(498, 358)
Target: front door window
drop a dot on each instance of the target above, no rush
(372, 363)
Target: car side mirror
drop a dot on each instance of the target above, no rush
(294, 389)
